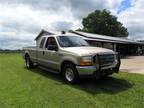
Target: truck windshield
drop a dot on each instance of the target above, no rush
(71, 41)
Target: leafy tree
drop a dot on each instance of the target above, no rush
(104, 23)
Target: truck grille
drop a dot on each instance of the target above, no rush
(105, 59)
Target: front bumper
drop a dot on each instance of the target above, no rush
(100, 69)
(86, 70)
(93, 70)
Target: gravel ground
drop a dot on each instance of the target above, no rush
(133, 64)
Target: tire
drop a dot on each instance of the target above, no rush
(29, 63)
(70, 73)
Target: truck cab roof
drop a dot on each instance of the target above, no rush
(67, 34)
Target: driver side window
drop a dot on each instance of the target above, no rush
(51, 42)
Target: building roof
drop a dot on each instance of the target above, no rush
(97, 37)
(46, 33)
(43, 33)
(91, 36)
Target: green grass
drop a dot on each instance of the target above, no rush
(23, 88)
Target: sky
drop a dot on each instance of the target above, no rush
(22, 20)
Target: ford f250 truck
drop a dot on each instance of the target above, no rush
(72, 56)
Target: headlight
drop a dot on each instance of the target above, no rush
(87, 60)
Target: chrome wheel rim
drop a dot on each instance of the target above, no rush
(69, 74)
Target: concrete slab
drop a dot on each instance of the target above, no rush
(133, 64)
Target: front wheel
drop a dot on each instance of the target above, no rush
(70, 73)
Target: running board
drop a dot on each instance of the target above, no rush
(48, 70)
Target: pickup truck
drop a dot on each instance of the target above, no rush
(72, 56)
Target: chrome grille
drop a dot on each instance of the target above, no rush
(105, 59)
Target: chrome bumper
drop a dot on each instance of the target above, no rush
(90, 70)
(86, 70)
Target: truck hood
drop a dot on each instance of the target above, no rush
(84, 51)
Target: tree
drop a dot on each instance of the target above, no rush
(104, 23)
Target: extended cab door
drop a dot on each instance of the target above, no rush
(40, 51)
(51, 54)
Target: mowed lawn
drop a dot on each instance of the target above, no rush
(23, 88)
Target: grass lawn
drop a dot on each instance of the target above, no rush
(23, 88)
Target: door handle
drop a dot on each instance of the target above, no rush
(43, 52)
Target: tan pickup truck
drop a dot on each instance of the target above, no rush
(72, 56)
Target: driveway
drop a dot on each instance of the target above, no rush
(133, 64)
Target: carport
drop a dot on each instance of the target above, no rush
(121, 45)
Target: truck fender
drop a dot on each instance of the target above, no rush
(67, 59)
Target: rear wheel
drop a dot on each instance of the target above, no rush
(70, 73)
(29, 63)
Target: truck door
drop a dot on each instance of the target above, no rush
(51, 54)
(40, 52)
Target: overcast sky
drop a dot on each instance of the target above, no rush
(22, 20)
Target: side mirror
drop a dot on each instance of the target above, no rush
(52, 47)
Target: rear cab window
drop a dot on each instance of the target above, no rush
(42, 42)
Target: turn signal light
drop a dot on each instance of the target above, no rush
(85, 63)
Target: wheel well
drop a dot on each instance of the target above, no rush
(65, 62)
(26, 55)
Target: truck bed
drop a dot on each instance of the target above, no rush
(30, 47)
(32, 50)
